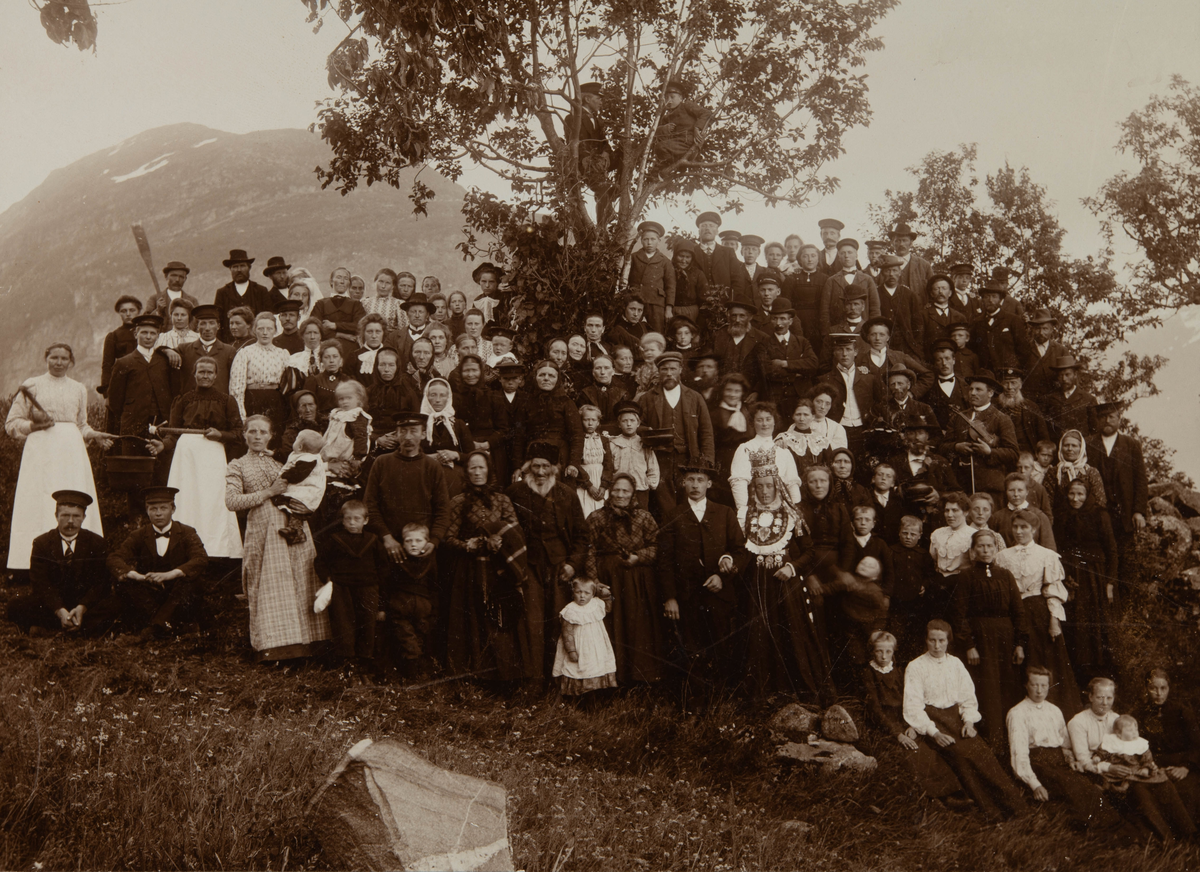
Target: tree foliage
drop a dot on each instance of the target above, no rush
(1008, 220)
(1159, 205)
(457, 85)
(68, 22)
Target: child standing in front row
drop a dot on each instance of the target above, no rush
(596, 473)
(353, 563)
(584, 660)
(410, 599)
(913, 573)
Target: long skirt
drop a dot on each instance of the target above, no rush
(485, 618)
(1088, 628)
(1051, 653)
(545, 596)
(996, 679)
(975, 765)
(785, 638)
(54, 459)
(280, 584)
(201, 499)
(635, 622)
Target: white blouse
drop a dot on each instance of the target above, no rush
(256, 364)
(949, 548)
(825, 433)
(941, 684)
(740, 471)
(64, 399)
(1038, 571)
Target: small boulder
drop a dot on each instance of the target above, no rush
(1191, 577)
(830, 756)
(1174, 537)
(1159, 506)
(838, 726)
(795, 721)
(1194, 526)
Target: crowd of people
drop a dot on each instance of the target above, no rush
(880, 480)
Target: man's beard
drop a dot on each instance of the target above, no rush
(1010, 401)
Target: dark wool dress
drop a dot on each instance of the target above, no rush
(989, 616)
(486, 606)
(635, 621)
(1089, 557)
(883, 703)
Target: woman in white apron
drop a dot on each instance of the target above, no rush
(49, 414)
(198, 464)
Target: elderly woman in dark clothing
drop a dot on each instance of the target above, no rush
(830, 538)
(487, 574)
(389, 392)
(844, 487)
(420, 362)
(447, 437)
(550, 416)
(483, 409)
(324, 384)
(1088, 547)
(304, 417)
(624, 549)
(1173, 731)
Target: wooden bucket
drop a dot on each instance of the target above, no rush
(128, 472)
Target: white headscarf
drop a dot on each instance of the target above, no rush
(1068, 471)
(445, 416)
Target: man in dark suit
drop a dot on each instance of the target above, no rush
(1028, 422)
(828, 263)
(208, 322)
(740, 347)
(791, 361)
(71, 588)
(143, 384)
(881, 360)
(858, 391)
(276, 271)
(986, 452)
(901, 306)
(681, 416)
(962, 275)
(1070, 407)
(920, 463)
(242, 292)
(701, 550)
(719, 264)
(515, 402)
(1044, 350)
(834, 292)
(1118, 459)
(160, 569)
(119, 342)
(915, 270)
(949, 391)
(900, 404)
(289, 338)
(998, 337)
(939, 312)
(160, 304)
(751, 248)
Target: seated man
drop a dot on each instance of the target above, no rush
(159, 569)
(71, 588)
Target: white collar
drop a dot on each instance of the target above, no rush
(241, 288)
(1023, 505)
(1067, 394)
(147, 353)
(71, 540)
(785, 338)
(982, 408)
(881, 670)
(673, 395)
(166, 529)
(862, 540)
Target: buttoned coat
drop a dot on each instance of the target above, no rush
(698, 432)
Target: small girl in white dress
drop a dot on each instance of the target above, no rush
(585, 660)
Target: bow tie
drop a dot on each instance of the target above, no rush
(165, 534)
(943, 381)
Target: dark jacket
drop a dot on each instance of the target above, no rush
(343, 558)
(723, 269)
(140, 392)
(907, 313)
(117, 344)
(747, 357)
(549, 416)
(185, 552)
(1000, 340)
(689, 551)
(59, 583)
(791, 380)
(258, 298)
(868, 391)
(222, 352)
(407, 490)
(941, 404)
(658, 414)
(834, 293)
(554, 526)
(1124, 475)
(1040, 379)
(652, 276)
(898, 360)
(990, 469)
(937, 326)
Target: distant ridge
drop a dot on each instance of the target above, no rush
(66, 252)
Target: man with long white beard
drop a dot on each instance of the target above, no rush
(1027, 418)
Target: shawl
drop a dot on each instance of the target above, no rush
(798, 443)
(445, 416)
(737, 418)
(1067, 471)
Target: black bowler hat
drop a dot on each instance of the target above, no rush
(275, 263)
(176, 266)
(208, 310)
(919, 421)
(741, 304)
(417, 299)
(71, 498)
(701, 466)
(782, 307)
(148, 320)
(237, 255)
(904, 371)
(985, 376)
(902, 229)
(159, 494)
(873, 322)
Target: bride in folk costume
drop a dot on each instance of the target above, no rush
(785, 647)
(49, 414)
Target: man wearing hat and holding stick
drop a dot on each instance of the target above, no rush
(176, 273)
(833, 294)
(791, 361)
(740, 347)
(827, 260)
(208, 322)
(1044, 350)
(1070, 407)
(71, 588)
(701, 551)
(682, 415)
(1118, 459)
(982, 441)
(719, 264)
(159, 569)
(652, 276)
(242, 292)
(915, 270)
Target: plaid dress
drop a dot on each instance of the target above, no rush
(279, 579)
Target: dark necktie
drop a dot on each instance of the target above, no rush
(164, 535)
(945, 381)
(70, 554)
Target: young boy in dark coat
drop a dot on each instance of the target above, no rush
(912, 568)
(652, 276)
(411, 595)
(354, 563)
